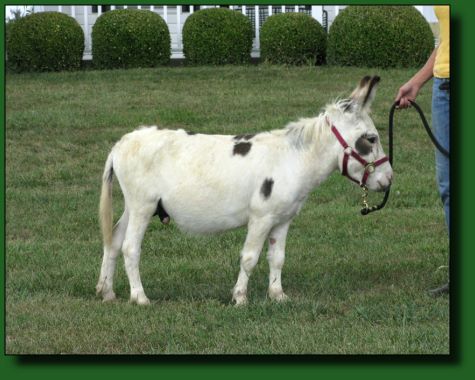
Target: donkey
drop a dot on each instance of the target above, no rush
(211, 183)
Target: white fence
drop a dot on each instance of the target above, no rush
(176, 15)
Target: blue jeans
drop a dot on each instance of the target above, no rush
(441, 128)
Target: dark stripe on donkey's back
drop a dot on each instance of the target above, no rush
(242, 148)
(244, 137)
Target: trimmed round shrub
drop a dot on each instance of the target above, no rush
(127, 38)
(46, 41)
(380, 36)
(293, 38)
(217, 36)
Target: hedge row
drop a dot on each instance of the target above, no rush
(372, 36)
(53, 41)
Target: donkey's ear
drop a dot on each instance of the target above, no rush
(363, 95)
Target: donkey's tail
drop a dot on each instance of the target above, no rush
(105, 205)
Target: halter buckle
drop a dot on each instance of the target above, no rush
(348, 150)
(370, 167)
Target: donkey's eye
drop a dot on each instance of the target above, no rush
(372, 139)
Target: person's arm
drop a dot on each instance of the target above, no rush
(410, 89)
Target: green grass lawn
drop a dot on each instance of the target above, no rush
(356, 284)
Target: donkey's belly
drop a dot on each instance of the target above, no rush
(206, 218)
(206, 212)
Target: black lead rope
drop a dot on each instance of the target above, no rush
(439, 147)
(367, 210)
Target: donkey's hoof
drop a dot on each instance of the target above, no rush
(239, 297)
(140, 299)
(281, 298)
(278, 296)
(108, 297)
(101, 288)
(107, 294)
(240, 301)
(143, 301)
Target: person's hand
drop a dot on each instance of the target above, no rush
(407, 92)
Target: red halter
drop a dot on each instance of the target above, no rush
(369, 167)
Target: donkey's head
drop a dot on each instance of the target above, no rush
(360, 154)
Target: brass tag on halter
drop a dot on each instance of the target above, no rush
(370, 168)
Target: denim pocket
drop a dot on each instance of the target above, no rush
(445, 86)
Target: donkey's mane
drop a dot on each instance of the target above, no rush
(306, 131)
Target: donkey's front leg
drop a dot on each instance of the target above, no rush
(276, 257)
(257, 232)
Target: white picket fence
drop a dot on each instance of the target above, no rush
(175, 17)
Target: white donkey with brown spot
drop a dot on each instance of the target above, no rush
(210, 183)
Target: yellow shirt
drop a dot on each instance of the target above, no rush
(442, 58)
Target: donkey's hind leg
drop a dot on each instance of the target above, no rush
(138, 222)
(106, 278)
